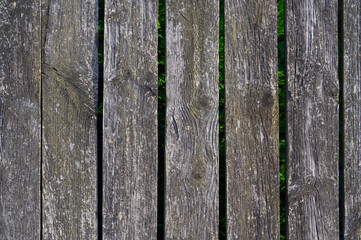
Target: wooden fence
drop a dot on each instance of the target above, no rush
(54, 184)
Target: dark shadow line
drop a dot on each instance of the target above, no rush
(41, 122)
(341, 120)
(101, 6)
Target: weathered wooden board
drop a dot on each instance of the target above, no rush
(352, 118)
(192, 119)
(130, 120)
(312, 119)
(252, 153)
(20, 77)
(69, 89)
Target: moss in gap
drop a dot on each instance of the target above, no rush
(282, 113)
(161, 117)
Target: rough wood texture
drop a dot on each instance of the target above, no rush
(251, 119)
(69, 87)
(20, 119)
(352, 119)
(192, 119)
(312, 119)
(130, 120)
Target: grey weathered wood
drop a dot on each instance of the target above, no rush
(352, 119)
(192, 119)
(130, 120)
(251, 119)
(69, 89)
(312, 119)
(20, 79)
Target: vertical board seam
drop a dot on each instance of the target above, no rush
(100, 117)
(41, 121)
(341, 120)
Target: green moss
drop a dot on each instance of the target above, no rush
(282, 113)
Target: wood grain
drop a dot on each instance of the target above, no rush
(352, 119)
(192, 119)
(130, 120)
(69, 89)
(252, 154)
(312, 119)
(20, 77)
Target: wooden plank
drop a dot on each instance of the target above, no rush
(252, 153)
(192, 30)
(69, 89)
(312, 119)
(20, 77)
(352, 118)
(130, 120)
